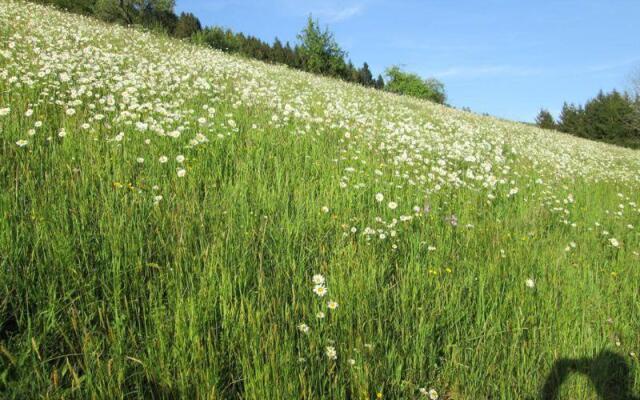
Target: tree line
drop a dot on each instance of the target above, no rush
(612, 117)
(316, 50)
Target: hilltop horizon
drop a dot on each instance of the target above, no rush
(505, 59)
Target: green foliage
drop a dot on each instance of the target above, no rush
(108, 10)
(320, 51)
(187, 26)
(132, 11)
(545, 120)
(122, 279)
(611, 118)
(412, 85)
(571, 119)
(364, 76)
(150, 13)
(317, 53)
(76, 6)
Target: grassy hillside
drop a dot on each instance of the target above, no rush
(172, 218)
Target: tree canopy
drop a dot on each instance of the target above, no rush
(545, 120)
(132, 11)
(320, 51)
(413, 85)
(609, 117)
(187, 26)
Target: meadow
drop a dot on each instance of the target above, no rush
(181, 223)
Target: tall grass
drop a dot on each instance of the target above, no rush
(498, 261)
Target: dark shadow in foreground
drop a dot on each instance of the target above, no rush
(609, 373)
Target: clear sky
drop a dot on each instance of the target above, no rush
(504, 57)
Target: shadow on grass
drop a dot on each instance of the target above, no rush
(609, 373)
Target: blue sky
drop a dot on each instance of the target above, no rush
(504, 57)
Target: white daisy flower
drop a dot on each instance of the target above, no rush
(304, 328)
(318, 279)
(331, 353)
(320, 290)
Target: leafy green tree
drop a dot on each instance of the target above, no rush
(545, 120)
(437, 88)
(187, 26)
(76, 6)
(130, 11)
(412, 85)
(319, 50)
(380, 82)
(212, 36)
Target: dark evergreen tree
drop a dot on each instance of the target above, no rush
(163, 20)
(571, 120)
(364, 76)
(610, 117)
(351, 73)
(278, 52)
(545, 120)
(187, 26)
(298, 57)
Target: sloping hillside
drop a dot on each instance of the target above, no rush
(180, 223)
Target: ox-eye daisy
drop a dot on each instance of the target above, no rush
(318, 279)
(320, 290)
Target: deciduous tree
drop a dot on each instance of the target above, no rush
(411, 84)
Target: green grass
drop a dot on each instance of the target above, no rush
(106, 294)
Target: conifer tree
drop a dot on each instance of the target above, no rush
(320, 51)
(545, 120)
(364, 75)
(187, 26)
